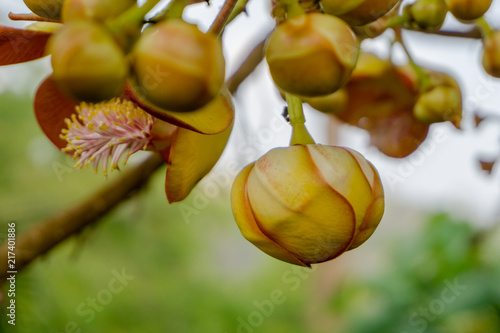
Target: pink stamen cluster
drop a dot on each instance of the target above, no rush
(108, 129)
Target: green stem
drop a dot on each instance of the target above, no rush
(174, 9)
(397, 21)
(133, 17)
(293, 8)
(238, 9)
(484, 27)
(423, 77)
(300, 135)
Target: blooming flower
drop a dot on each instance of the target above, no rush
(109, 129)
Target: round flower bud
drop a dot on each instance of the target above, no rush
(491, 54)
(87, 63)
(50, 9)
(178, 67)
(439, 104)
(358, 12)
(98, 10)
(311, 55)
(468, 9)
(427, 14)
(308, 204)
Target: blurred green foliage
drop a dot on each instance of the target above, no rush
(202, 276)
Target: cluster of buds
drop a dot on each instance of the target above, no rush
(124, 80)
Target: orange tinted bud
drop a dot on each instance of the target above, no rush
(358, 12)
(46, 8)
(86, 61)
(308, 204)
(178, 67)
(468, 9)
(491, 54)
(98, 10)
(311, 55)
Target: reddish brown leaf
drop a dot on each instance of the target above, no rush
(19, 45)
(487, 165)
(51, 108)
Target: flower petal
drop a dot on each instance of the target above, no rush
(52, 107)
(191, 157)
(20, 45)
(301, 211)
(247, 224)
(213, 118)
(373, 214)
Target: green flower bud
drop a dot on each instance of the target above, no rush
(311, 55)
(178, 67)
(491, 54)
(468, 9)
(358, 12)
(50, 9)
(98, 10)
(86, 61)
(427, 14)
(439, 104)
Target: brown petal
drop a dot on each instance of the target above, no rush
(51, 108)
(19, 45)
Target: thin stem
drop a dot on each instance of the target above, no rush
(300, 135)
(239, 8)
(165, 12)
(484, 27)
(30, 17)
(223, 16)
(423, 78)
(133, 16)
(292, 7)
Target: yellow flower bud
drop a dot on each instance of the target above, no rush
(491, 54)
(358, 12)
(311, 55)
(308, 204)
(332, 103)
(468, 9)
(98, 10)
(178, 67)
(87, 62)
(50, 9)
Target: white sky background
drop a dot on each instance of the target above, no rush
(443, 177)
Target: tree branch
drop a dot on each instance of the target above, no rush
(44, 236)
(47, 234)
(222, 17)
